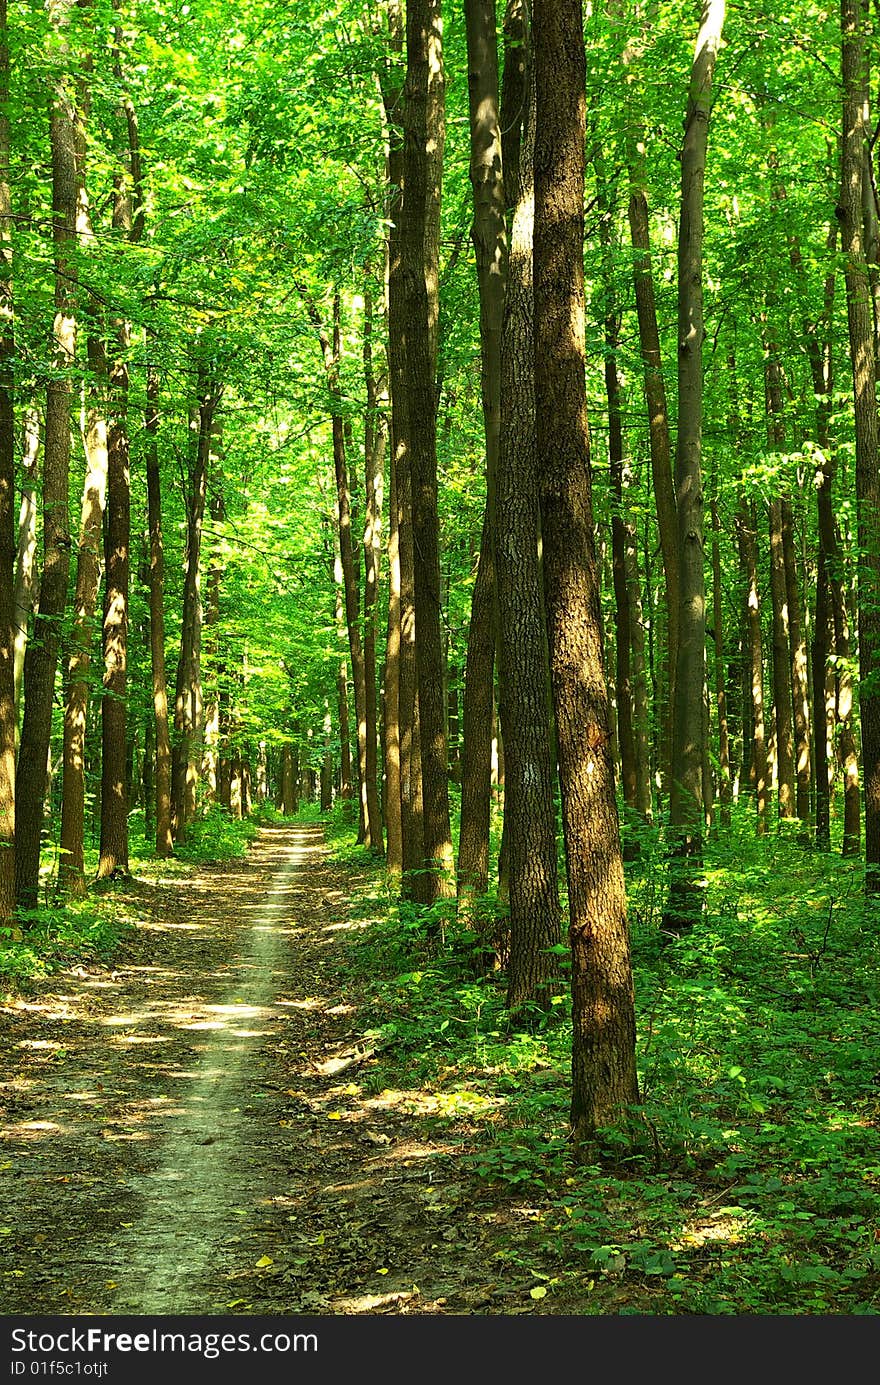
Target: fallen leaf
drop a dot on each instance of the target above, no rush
(381, 1271)
(538, 1291)
(263, 1261)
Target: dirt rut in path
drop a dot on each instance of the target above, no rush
(206, 1161)
(137, 1130)
(193, 1131)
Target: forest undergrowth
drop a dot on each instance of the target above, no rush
(750, 1181)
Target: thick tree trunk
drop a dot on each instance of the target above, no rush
(529, 810)
(685, 904)
(514, 94)
(856, 134)
(489, 235)
(42, 653)
(399, 668)
(420, 212)
(7, 503)
(604, 1083)
(289, 775)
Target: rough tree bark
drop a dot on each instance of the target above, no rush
(489, 236)
(42, 653)
(659, 431)
(164, 843)
(188, 685)
(685, 902)
(375, 433)
(856, 134)
(420, 212)
(7, 502)
(604, 1083)
(402, 795)
(26, 554)
(533, 891)
(71, 865)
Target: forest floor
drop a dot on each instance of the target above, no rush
(264, 1085)
(185, 1132)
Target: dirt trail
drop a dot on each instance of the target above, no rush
(190, 1131)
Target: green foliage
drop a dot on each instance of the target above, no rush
(750, 1180)
(40, 943)
(215, 836)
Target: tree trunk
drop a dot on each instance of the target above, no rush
(659, 433)
(529, 810)
(748, 549)
(422, 166)
(604, 1083)
(289, 771)
(489, 235)
(476, 766)
(623, 689)
(800, 692)
(71, 864)
(164, 845)
(820, 653)
(686, 891)
(42, 653)
(7, 503)
(345, 785)
(374, 456)
(188, 691)
(216, 738)
(114, 796)
(331, 351)
(720, 668)
(26, 554)
(641, 720)
(327, 762)
(781, 668)
(399, 668)
(856, 134)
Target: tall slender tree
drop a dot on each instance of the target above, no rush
(604, 1082)
(421, 208)
(42, 653)
(7, 501)
(685, 900)
(854, 148)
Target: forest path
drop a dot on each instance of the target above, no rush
(190, 1131)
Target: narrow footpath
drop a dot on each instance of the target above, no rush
(188, 1131)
